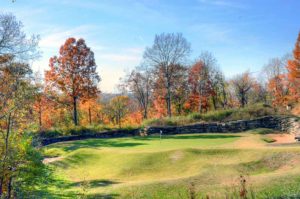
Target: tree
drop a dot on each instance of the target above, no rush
(90, 110)
(200, 84)
(180, 90)
(16, 97)
(293, 67)
(14, 41)
(117, 109)
(166, 54)
(242, 85)
(73, 73)
(277, 84)
(139, 83)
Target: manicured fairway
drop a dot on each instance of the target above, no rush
(150, 167)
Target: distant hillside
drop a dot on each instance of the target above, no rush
(106, 97)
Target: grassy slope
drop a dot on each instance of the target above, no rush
(153, 168)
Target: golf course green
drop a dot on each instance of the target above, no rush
(179, 166)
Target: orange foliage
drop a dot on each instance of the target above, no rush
(278, 88)
(134, 118)
(73, 73)
(159, 104)
(200, 86)
(293, 67)
(90, 111)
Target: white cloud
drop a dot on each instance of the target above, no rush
(55, 37)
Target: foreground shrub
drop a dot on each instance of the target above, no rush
(22, 170)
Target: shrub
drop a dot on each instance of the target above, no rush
(51, 133)
(79, 130)
(268, 140)
(264, 131)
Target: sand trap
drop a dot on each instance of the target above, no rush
(49, 160)
(283, 138)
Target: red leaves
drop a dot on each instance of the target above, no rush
(200, 87)
(73, 72)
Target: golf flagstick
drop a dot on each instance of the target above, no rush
(160, 133)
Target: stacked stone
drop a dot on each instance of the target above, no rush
(276, 123)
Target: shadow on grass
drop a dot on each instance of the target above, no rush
(73, 160)
(96, 143)
(69, 195)
(102, 196)
(65, 189)
(184, 137)
(95, 183)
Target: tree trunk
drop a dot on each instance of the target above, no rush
(214, 102)
(40, 118)
(9, 188)
(224, 97)
(75, 111)
(5, 154)
(200, 104)
(1, 185)
(119, 120)
(243, 100)
(90, 116)
(169, 112)
(145, 113)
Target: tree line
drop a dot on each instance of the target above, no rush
(166, 83)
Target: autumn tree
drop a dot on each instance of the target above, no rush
(164, 56)
(277, 84)
(139, 83)
(180, 90)
(200, 84)
(73, 73)
(219, 87)
(16, 98)
(293, 67)
(117, 109)
(90, 111)
(242, 84)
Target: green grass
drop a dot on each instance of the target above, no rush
(147, 167)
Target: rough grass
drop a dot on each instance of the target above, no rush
(249, 112)
(147, 167)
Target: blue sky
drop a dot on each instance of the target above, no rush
(241, 34)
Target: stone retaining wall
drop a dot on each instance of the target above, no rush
(107, 134)
(276, 123)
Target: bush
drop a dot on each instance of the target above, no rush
(50, 133)
(268, 140)
(79, 130)
(264, 131)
